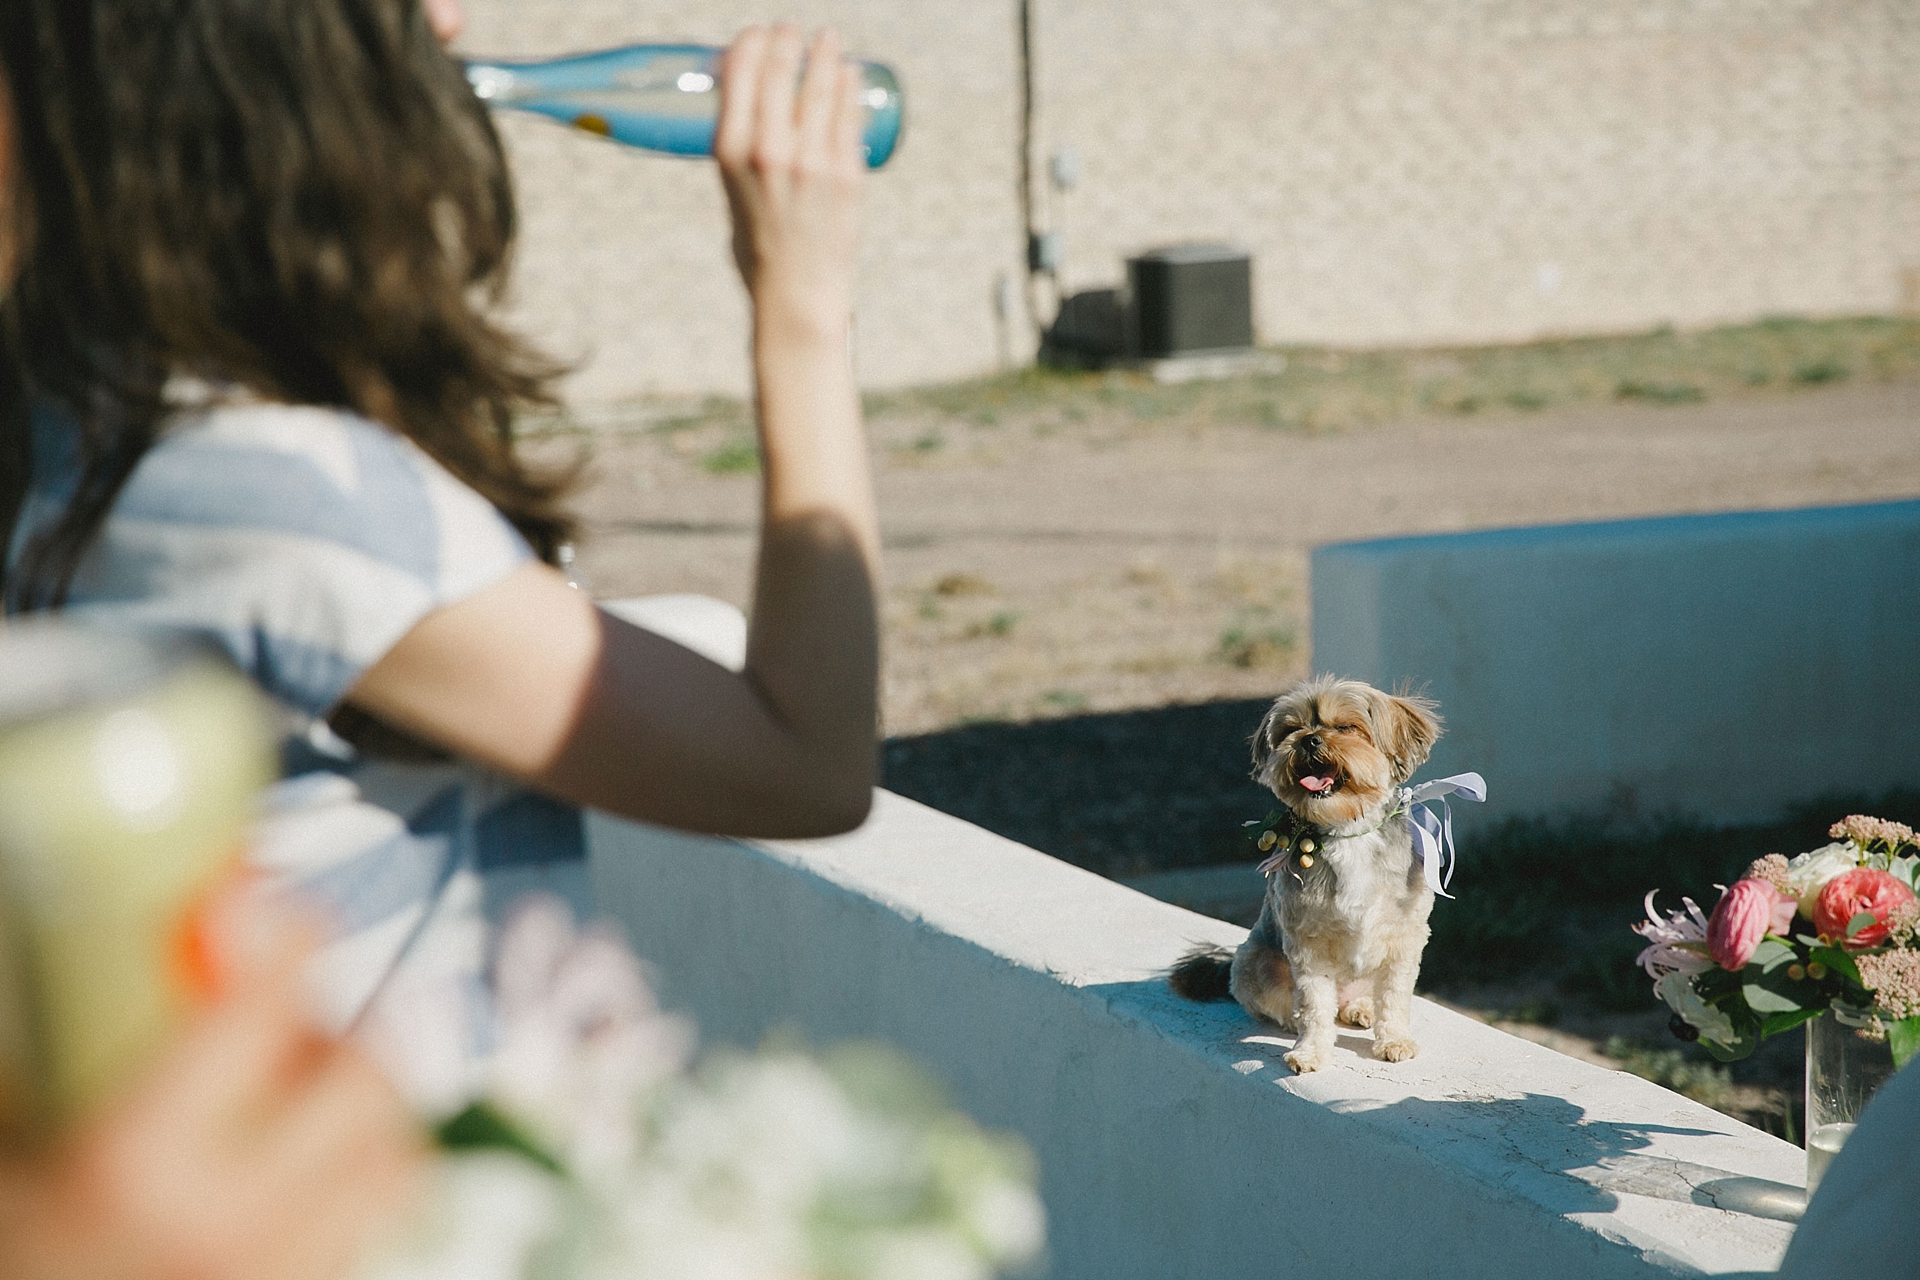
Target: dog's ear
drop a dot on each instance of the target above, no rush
(1266, 741)
(1405, 727)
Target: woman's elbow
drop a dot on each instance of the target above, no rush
(832, 801)
(846, 815)
(840, 808)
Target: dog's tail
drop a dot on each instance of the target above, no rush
(1203, 974)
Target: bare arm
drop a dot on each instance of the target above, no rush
(530, 678)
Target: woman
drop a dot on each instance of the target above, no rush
(251, 391)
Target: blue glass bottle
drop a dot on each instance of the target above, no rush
(664, 97)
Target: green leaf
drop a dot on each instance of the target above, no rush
(1716, 984)
(1772, 953)
(1861, 920)
(1903, 1037)
(1769, 990)
(1740, 1048)
(1780, 1022)
(1768, 999)
(1839, 962)
(480, 1127)
(1746, 1024)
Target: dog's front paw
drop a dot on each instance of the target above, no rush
(1359, 1013)
(1395, 1048)
(1307, 1058)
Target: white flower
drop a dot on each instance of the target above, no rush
(1677, 944)
(483, 1218)
(579, 1036)
(1009, 1220)
(420, 1031)
(1712, 1024)
(1808, 874)
(668, 1224)
(762, 1166)
(773, 1130)
(927, 1255)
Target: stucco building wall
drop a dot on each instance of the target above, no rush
(624, 258)
(1404, 171)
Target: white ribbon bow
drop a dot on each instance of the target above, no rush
(1433, 833)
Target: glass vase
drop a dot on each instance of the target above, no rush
(1845, 1065)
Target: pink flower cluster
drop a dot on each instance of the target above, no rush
(1772, 869)
(1894, 979)
(1753, 908)
(1903, 923)
(1868, 831)
(1747, 912)
(1862, 891)
(1858, 892)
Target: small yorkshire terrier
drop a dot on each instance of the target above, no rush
(1345, 917)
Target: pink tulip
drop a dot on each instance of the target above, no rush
(1748, 911)
(1785, 908)
(1852, 892)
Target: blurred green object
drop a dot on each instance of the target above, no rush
(128, 773)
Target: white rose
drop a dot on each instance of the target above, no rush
(1809, 873)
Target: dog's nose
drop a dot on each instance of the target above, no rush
(1311, 742)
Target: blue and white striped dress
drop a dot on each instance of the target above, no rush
(305, 542)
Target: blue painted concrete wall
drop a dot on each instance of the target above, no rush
(1722, 666)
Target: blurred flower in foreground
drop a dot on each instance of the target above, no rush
(592, 1153)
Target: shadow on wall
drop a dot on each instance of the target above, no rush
(1587, 1164)
(1119, 794)
(1133, 793)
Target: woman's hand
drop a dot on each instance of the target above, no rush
(257, 1149)
(788, 145)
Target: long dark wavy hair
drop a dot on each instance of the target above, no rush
(301, 198)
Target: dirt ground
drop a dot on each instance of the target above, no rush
(1040, 567)
(1136, 583)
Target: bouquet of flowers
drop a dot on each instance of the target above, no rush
(1834, 928)
(587, 1148)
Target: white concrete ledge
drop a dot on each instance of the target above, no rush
(1723, 666)
(711, 628)
(1172, 1140)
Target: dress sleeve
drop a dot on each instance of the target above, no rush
(304, 542)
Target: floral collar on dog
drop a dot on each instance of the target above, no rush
(1432, 833)
(1300, 839)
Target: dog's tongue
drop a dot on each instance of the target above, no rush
(1316, 784)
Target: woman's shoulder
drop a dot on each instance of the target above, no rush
(303, 540)
(322, 435)
(318, 474)
(255, 456)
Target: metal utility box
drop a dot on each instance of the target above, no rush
(1191, 298)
